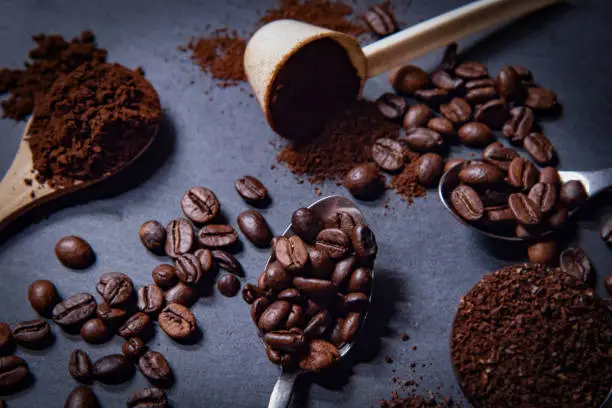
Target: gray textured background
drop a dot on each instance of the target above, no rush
(426, 262)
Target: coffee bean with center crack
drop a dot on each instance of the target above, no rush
(408, 79)
(467, 203)
(74, 310)
(32, 334)
(135, 325)
(154, 366)
(481, 174)
(217, 236)
(116, 288)
(524, 209)
(499, 155)
(177, 321)
(442, 126)
(433, 97)
(153, 236)
(226, 261)
(391, 106)
(148, 398)
(545, 195)
(480, 91)
(457, 111)
(575, 262)
(291, 252)
(493, 113)
(509, 85)
(179, 237)
(442, 79)
(522, 174)
(206, 260)
(13, 370)
(541, 99)
(200, 205)
(251, 189)
(423, 140)
(150, 299)
(388, 154)
(334, 241)
(189, 269)
(539, 147)
(79, 366)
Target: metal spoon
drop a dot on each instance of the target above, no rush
(594, 183)
(325, 207)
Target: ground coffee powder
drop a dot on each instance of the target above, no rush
(92, 122)
(418, 401)
(52, 57)
(531, 336)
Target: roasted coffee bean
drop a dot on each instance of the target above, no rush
(417, 116)
(539, 147)
(228, 285)
(295, 318)
(441, 125)
(350, 326)
(155, 367)
(343, 271)
(133, 348)
(179, 237)
(150, 299)
(13, 370)
(306, 224)
(608, 285)
(177, 321)
(148, 398)
(74, 310)
(423, 140)
(188, 269)
(116, 288)
(449, 58)
(575, 262)
(499, 214)
(113, 369)
(320, 355)
(520, 124)
(550, 175)
(74, 252)
(444, 80)
(285, 340)
(254, 226)
(33, 333)
(544, 252)
(321, 266)
(319, 288)
(217, 235)
(200, 205)
(457, 111)
(43, 297)
(286, 360)
(182, 294)
(226, 261)
(5, 337)
(471, 70)
(481, 174)
(82, 397)
(356, 302)
(361, 281)
(312, 307)
(335, 336)
(605, 233)
(206, 259)
(391, 106)
(453, 163)
(343, 220)
(109, 314)
(523, 73)
(291, 253)
(541, 99)
(493, 113)
(153, 236)
(135, 325)
(408, 79)
(433, 97)
(275, 316)
(388, 154)
(333, 241)
(291, 295)
(276, 277)
(380, 21)
(573, 194)
(318, 324)
(364, 182)
(363, 240)
(475, 134)
(509, 85)
(95, 331)
(164, 275)
(251, 190)
(79, 366)
(499, 155)
(522, 174)
(544, 195)
(467, 203)
(480, 91)
(524, 209)
(258, 307)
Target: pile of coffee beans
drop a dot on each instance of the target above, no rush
(312, 296)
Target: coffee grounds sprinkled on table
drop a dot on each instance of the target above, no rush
(418, 401)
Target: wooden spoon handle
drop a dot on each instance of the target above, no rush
(418, 40)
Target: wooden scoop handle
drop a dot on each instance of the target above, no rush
(418, 40)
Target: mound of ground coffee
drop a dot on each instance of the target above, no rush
(52, 57)
(92, 122)
(418, 401)
(527, 335)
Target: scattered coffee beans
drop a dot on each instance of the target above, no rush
(408, 79)
(388, 154)
(364, 182)
(32, 334)
(81, 397)
(155, 367)
(228, 285)
(115, 287)
(254, 226)
(544, 252)
(13, 370)
(177, 321)
(251, 190)
(217, 236)
(510, 86)
(95, 331)
(575, 262)
(200, 205)
(133, 348)
(109, 314)
(417, 116)
(179, 238)
(441, 125)
(80, 367)
(226, 261)
(539, 147)
(150, 299)
(391, 106)
(148, 398)
(113, 369)
(189, 269)
(520, 124)
(430, 169)
(541, 99)
(74, 252)
(74, 310)
(164, 275)
(135, 325)
(153, 236)
(43, 297)
(458, 111)
(182, 294)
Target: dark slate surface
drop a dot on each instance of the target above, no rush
(427, 260)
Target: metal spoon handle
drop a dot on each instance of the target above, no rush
(283, 390)
(594, 181)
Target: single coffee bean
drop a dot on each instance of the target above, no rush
(291, 295)
(32, 334)
(177, 321)
(499, 155)
(475, 134)
(182, 294)
(481, 174)
(320, 355)
(493, 113)
(364, 182)
(380, 21)
(605, 233)
(342, 220)
(319, 288)
(321, 266)
(258, 307)
(179, 237)
(441, 125)
(164, 275)
(274, 316)
(467, 203)
(391, 106)
(13, 370)
(333, 241)
(135, 325)
(228, 285)
(417, 116)
(226, 261)
(110, 315)
(509, 85)
(433, 97)
(95, 331)
(79, 366)
(217, 235)
(388, 154)
(153, 236)
(116, 288)
(541, 99)
(343, 271)
(539, 147)
(150, 299)
(522, 174)
(113, 369)
(520, 124)
(449, 58)
(276, 277)
(480, 91)
(573, 194)
(296, 317)
(318, 324)
(188, 269)
(254, 226)
(155, 367)
(408, 79)
(544, 195)
(558, 219)
(251, 190)
(423, 140)
(453, 163)
(200, 205)
(43, 297)
(525, 210)
(501, 214)
(285, 340)
(356, 302)
(608, 283)
(361, 281)
(291, 253)
(5, 337)
(544, 252)
(74, 310)
(206, 259)
(575, 262)
(471, 70)
(350, 327)
(363, 240)
(442, 79)
(457, 111)
(286, 360)
(82, 397)
(133, 348)
(550, 175)
(306, 224)
(74, 252)
(523, 73)
(148, 398)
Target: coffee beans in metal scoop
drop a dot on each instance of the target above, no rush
(13, 370)
(306, 224)
(148, 398)
(499, 155)
(217, 235)
(254, 226)
(189, 269)
(575, 262)
(133, 348)
(177, 321)
(43, 297)
(481, 174)
(251, 189)
(391, 106)
(228, 285)
(115, 287)
(32, 334)
(113, 369)
(155, 367)
(135, 325)
(291, 253)
(153, 236)
(81, 397)
(150, 299)
(365, 182)
(179, 237)
(200, 205)
(408, 79)
(5, 337)
(80, 367)
(74, 252)
(74, 310)
(522, 174)
(467, 203)
(388, 154)
(164, 275)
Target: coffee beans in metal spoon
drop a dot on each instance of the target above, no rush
(148, 398)
(217, 236)
(154, 367)
(200, 205)
(150, 299)
(81, 397)
(408, 79)
(74, 310)
(545, 252)
(251, 189)
(306, 224)
(74, 252)
(334, 241)
(228, 285)
(133, 348)
(522, 174)
(13, 370)
(153, 236)
(499, 156)
(177, 321)
(291, 253)
(179, 237)
(115, 287)
(164, 275)
(364, 182)
(254, 226)
(43, 297)
(79, 366)
(467, 203)
(113, 369)
(189, 269)
(481, 174)
(32, 334)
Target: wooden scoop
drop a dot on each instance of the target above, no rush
(273, 44)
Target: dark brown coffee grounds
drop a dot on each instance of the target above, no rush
(52, 57)
(406, 183)
(418, 401)
(92, 122)
(527, 335)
